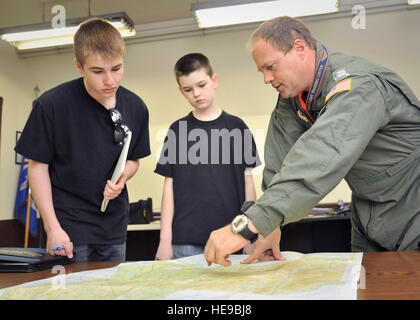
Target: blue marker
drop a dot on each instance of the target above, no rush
(58, 248)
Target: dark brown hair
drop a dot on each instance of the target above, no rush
(190, 63)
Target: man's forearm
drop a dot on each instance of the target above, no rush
(40, 184)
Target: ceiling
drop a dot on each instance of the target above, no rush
(23, 12)
(176, 14)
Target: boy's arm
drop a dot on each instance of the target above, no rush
(40, 183)
(250, 193)
(164, 251)
(131, 167)
(111, 190)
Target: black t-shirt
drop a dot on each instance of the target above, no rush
(206, 160)
(74, 134)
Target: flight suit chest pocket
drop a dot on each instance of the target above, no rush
(394, 169)
(391, 182)
(403, 163)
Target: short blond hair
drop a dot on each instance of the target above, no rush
(97, 35)
(281, 32)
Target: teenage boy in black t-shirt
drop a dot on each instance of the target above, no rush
(207, 162)
(74, 136)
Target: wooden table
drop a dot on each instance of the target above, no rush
(13, 279)
(391, 275)
(385, 275)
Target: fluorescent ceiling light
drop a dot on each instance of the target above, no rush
(224, 12)
(413, 1)
(40, 36)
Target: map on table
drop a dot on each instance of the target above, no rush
(301, 276)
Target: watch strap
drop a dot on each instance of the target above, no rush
(248, 234)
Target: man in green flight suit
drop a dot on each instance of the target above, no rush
(336, 117)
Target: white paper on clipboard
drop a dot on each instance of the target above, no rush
(119, 168)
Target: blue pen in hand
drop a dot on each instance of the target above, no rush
(58, 248)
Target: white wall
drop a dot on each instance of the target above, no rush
(390, 39)
(16, 86)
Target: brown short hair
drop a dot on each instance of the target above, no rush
(190, 63)
(281, 32)
(97, 35)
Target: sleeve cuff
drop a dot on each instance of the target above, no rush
(262, 220)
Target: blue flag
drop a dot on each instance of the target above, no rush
(22, 199)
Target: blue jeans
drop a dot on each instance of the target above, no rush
(186, 250)
(90, 253)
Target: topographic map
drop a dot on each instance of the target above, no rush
(301, 276)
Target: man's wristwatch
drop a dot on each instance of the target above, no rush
(240, 226)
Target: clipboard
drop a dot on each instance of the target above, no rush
(119, 168)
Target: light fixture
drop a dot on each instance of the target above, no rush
(413, 1)
(43, 35)
(226, 12)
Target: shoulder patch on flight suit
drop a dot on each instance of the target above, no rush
(344, 85)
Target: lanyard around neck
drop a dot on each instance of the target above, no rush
(316, 83)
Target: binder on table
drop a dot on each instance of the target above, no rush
(28, 259)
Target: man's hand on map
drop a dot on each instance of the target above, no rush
(266, 249)
(221, 244)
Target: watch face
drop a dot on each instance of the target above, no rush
(238, 223)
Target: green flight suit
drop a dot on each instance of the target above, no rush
(368, 134)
